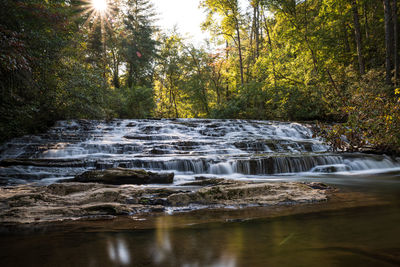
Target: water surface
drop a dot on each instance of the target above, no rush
(354, 237)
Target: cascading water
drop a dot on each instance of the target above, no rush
(188, 147)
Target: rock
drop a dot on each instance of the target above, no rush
(104, 165)
(71, 201)
(202, 178)
(331, 168)
(106, 209)
(228, 192)
(203, 181)
(43, 162)
(68, 189)
(151, 137)
(317, 185)
(119, 176)
(156, 151)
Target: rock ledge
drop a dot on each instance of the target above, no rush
(71, 201)
(120, 176)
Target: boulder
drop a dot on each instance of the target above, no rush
(119, 176)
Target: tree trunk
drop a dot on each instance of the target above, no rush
(115, 80)
(203, 87)
(357, 32)
(217, 90)
(130, 73)
(346, 39)
(250, 58)
(257, 28)
(227, 79)
(388, 40)
(313, 54)
(240, 54)
(175, 105)
(396, 44)
(270, 49)
(366, 21)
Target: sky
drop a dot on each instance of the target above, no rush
(185, 14)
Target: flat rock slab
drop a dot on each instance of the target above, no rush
(43, 162)
(120, 176)
(70, 201)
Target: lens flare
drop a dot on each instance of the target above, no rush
(100, 5)
(98, 12)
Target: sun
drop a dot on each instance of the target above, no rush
(98, 13)
(100, 6)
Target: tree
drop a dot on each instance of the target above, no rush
(388, 40)
(115, 34)
(357, 32)
(139, 45)
(396, 43)
(230, 24)
(169, 76)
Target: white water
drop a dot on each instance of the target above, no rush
(235, 149)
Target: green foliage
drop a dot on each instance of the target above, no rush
(373, 112)
(249, 103)
(34, 34)
(80, 92)
(373, 117)
(136, 102)
(55, 63)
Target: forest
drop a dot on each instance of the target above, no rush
(330, 61)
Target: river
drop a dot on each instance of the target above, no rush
(232, 149)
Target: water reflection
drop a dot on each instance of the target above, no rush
(118, 251)
(178, 247)
(162, 245)
(322, 239)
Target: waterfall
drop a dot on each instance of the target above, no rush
(186, 146)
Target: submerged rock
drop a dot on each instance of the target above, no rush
(331, 168)
(120, 176)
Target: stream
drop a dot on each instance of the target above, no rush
(193, 148)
